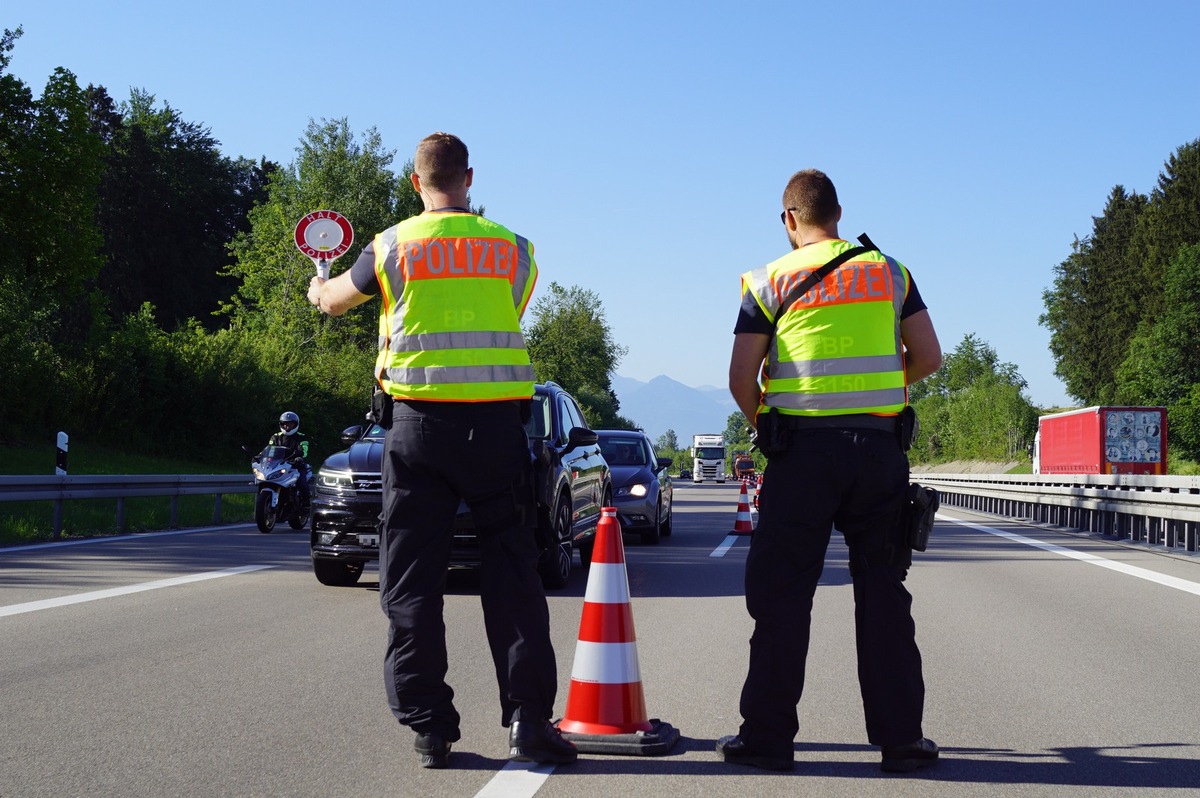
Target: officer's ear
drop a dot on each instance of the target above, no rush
(839, 215)
(470, 175)
(415, 179)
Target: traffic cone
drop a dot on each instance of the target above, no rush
(606, 708)
(743, 524)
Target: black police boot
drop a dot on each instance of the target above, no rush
(538, 741)
(906, 758)
(433, 749)
(735, 750)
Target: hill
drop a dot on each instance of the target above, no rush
(663, 404)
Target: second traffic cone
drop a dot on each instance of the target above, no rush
(606, 709)
(743, 524)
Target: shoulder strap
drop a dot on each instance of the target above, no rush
(817, 276)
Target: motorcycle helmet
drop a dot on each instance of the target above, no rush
(289, 423)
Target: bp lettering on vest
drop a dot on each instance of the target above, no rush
(832, 346)
(437, 258)
(853, 282)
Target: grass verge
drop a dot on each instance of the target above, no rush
(33, 522)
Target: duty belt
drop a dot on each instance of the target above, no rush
(849, 421)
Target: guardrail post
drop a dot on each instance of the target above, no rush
(217, 510)
(58, 513)
(120, 513)
(174, 511)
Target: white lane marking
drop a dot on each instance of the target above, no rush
(516, 780)
(725, 546)
(79, 598)
(1130, 570)
(111, 538)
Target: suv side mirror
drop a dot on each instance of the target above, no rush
(581, 436)
(664, 462)
(351, 434)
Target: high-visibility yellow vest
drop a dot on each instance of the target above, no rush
(454, 287)
(837, 349)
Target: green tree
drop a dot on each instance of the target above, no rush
(571, 343)
(1163, 365)
(171, 204)
(1094, 305)
(50, 165)
(335, 172)
(973, 407)
(667, 442)
(1171, 220)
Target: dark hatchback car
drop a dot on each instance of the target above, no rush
(571, 477)
(642, 487)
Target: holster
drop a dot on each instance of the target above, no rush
(921, 505)
(381, 408)
(908, 427)
(771, 437)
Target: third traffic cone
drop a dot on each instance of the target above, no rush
(743, 524)
(606, 709)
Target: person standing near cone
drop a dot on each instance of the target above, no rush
(832, 418)
(458, 383)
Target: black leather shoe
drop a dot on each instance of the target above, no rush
(906, 758)
(434, 751)
(538, 741)
(734, 749)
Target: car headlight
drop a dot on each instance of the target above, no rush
(637, 490)
(335, 480)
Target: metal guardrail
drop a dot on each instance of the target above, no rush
(1155, 510)
(61, 488)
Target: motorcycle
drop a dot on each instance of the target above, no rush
(278, 496)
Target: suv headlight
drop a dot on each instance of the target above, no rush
(335, 480)
(637, 490)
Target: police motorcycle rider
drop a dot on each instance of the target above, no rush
(296, 442)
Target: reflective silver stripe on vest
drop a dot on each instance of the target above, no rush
(851, 400)
(868, 364)
(439, 375)
(458, 340)
(521, 278)
(899, 292)
(764, 289)
(391, 263)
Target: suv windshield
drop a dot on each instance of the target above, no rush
(623, 451)
(538, 425)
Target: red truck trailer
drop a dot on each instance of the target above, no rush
(1102, 440)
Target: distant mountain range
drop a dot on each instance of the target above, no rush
(664, 404)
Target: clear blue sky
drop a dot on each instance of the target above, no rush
(643, 146)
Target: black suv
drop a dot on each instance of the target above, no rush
(571, 476)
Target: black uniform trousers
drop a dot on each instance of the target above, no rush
(436, 453)
(854, 479)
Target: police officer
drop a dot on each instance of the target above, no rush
(296, 442)
(835, 363)
(453, 359)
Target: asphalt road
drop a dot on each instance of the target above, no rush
(212, 663)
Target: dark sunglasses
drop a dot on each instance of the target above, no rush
(783, 215)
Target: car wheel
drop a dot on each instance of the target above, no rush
(337, 574)
(264, 513)
(665, 528)
(555, 564)
(651, 536)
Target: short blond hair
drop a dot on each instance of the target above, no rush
(441, 161)
(811, 197)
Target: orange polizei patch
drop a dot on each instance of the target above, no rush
(854, 282)
(437, 258)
